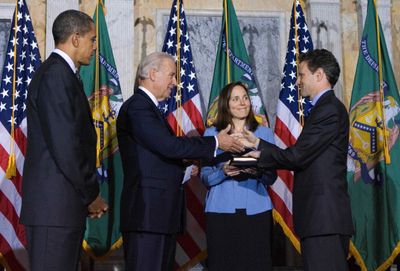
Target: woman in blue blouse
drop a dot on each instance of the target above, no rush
(238, 208)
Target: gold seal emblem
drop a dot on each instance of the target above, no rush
(366, 143)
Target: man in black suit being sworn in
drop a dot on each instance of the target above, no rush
(60, 187)
(321, 206)
(152, 200)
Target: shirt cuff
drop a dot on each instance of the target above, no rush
(216, 146)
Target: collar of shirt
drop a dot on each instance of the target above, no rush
(316, 98)
(66, 58)
(151, 96)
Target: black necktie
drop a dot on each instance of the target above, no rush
(79, 77)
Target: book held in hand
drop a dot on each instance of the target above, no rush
(241, 161)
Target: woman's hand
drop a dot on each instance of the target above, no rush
(251, 171)
(230, 170)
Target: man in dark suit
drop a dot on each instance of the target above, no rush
(321, 207)
(152, 202)
(60, 187)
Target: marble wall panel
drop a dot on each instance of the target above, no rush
(265, 38)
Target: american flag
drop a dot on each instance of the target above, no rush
(21, 61)
(184, 115)
(291, 110)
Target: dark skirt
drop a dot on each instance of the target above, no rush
(239, 242)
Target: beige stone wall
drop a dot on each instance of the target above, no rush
(37, 10)
(350, 47)
(148, 9)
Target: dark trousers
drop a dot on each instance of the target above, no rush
(54, 248)
(238, 242)
(145, 251)
(325, 252)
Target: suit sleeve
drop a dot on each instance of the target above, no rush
(320, 130)
(268, 177)
(57, 114)
(155, 136)
(213, 174)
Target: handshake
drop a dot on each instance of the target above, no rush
(245, 145)
(239, 142)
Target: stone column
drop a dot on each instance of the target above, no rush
(324, 22)
(120, 24)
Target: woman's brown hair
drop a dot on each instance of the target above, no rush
(224, 117)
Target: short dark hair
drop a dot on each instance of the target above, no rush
(224, 117)
(69, 22)
(324, 59)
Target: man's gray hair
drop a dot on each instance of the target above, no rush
(152, 61)
(70, 22)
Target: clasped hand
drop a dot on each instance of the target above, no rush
(229, 143)
(97, 208)
(247, 138)
(235, 171)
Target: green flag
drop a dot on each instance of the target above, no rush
(101, 84)
(231, 65)
(373, 176)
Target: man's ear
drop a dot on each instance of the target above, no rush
(75, 39)
(152, 74)
(320, 74)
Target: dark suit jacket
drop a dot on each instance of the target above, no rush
(60, 165)
(320, 201)
(152, 196)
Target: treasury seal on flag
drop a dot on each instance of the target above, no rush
(366, 143)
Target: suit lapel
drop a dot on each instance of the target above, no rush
(156, 110)
(78, 83)
(71, 73)
(323, 97)
(315, 108)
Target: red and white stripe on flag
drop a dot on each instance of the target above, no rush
(291, 110)
(183, 112)
(22, 59)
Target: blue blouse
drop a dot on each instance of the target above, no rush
(225, 194)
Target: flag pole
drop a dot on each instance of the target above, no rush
(96, 91)
(11, 170)
(228, 70)
(382, 94)
(178, 71)
(296, 36)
